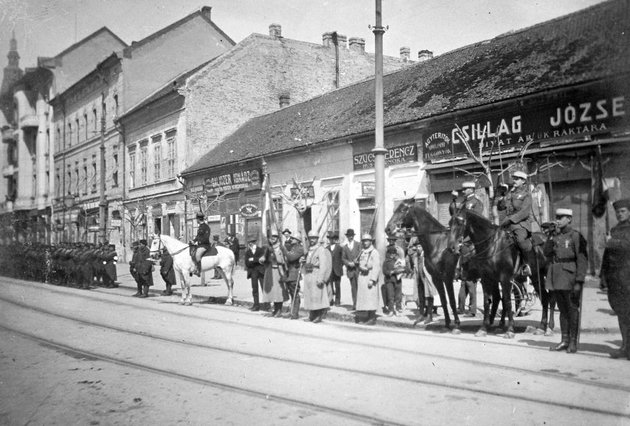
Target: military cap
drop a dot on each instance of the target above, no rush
(313, 234)
(143, 242)
(620, 204)
(564, 212)
(520, 174)
(286, 231)
(367, 236)
(297, 236)
(252, 239)
(350, 232)
(200, 215)
(333, 236)
(468, 184)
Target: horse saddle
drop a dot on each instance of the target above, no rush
(212, 251)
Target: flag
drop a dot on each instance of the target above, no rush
(268, 214)
(600, 197)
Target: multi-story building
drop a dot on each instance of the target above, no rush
(89, 160)
(30, 142)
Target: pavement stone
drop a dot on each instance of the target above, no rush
(597, 316)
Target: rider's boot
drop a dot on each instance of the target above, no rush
(429, 312)
(197, 270)
(256, 306)
(573, 332)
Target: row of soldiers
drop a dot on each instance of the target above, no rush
(68, 264)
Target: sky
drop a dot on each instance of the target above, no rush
(47, 27)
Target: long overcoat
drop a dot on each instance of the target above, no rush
(369, 272)
(272, 285)
(616, 270)
(568, 262)
(316, 271)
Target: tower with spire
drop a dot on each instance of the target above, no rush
(12, 73)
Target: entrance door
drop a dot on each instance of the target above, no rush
(157, 225)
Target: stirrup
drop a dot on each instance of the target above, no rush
(526, 271)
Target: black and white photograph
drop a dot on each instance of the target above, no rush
(322, 212)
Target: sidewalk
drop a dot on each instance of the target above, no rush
(597, 316)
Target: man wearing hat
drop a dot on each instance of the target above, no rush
(316, 271)
(391, 290)
(254, 262)
(518, 208)
(167, 272)
(566, 250)
(470, 202)
(144, 267)
(336, 253)
(350, 256)
(286, 234)
(616, 273)
(294, 250)
(369, 268)
(203, 241)
(132, 268)
(275, 264)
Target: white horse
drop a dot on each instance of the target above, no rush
(184, 265)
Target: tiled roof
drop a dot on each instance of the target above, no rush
(590, 44)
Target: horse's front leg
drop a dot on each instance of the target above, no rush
(496, 298)
(487, 298)
(229, 282)
(451, 297)
(506, 288)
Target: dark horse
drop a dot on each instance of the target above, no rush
(495, 258)
(439, 260)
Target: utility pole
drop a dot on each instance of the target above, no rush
(379, 148)
(103, 200)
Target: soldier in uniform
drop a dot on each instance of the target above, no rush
(254, 262)
(350, 256)
(294, 250)
(468, 286)
(391, 290)
(369, 268)
(144, 267)
(566, 250)
(275, 264)
(316, 270)
(132, 268)
(518, 220)
(616, 273)
(111, 257)
(203, 241)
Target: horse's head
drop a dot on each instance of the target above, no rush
(156, 246)
(400, 218)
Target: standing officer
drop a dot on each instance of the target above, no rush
(518, 220)
(566, 250)
(616, 273)
(337, 267)
(144, 267)
(350, 256)
(275, 266)
(203, 241)
(294, 250)
(391, 290)
(254, 262)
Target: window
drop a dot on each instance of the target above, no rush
(57, 184)
(58, 141)
(76, 188)
(34, 183)
(116, 105)
(78, 127)
(85, 120)
(143, 165)
(95, 124)
(104, 115)
(132, 169)
(157, 161)
(69, 134)
(115, 172)
(47, 153)
(93, 174)
(87, 179)
(69, 184)
(171, 157)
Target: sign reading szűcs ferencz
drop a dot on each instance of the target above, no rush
(596, 108)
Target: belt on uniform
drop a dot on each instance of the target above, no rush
(564, 260)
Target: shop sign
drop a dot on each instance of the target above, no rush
(245, 179)
(213, 218)
(249, 210)
(595, 109)
(368, 189)
(394, 155)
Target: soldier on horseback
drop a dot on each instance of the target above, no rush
(518, 206)
(203, 241)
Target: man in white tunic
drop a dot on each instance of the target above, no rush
(316, 272)
(369, 275)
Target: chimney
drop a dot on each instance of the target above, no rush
(342, 40)
(327, 39)
(275, 30)
(423, 55)
(357, 44)
(405, 53)
(285, 100)
(205, 11)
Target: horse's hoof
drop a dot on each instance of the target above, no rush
(549, 332)
(228, 302)
(456, 331)
(508, 335)
(481, 333)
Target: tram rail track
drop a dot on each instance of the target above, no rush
(541, 374)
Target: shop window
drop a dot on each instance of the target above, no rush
(171, 157)
(132, 170)
(157, 161)
(143, 165)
